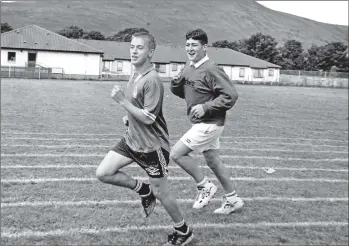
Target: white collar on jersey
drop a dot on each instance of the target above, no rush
(199, 63)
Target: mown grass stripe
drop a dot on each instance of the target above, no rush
(5, 233)
(43, 180)
(128, 202)
(300, 169)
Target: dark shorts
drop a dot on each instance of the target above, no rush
(154, 163)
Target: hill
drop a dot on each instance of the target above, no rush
(169, 20)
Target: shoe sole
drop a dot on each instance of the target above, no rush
(209, 199)
(236, 209)
(150, 211)
(188, 240)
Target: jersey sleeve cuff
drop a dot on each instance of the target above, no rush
(148, 114)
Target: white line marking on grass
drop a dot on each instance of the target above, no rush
(284, 143)
(61, 139)
(60, 232)
(222, 142)
(44, 180)
(60, 134)
(184, 201)
(87, 155)
(172, 167)
(223, 148)
(303, 139)
(176, 136)
(173, 138)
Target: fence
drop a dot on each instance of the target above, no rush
(31, 72)
(314, 78)
(322, 74)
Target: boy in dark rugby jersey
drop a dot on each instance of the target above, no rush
(146, 141)
(209, 93)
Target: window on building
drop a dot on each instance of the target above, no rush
(119, 66)
(271, 72)
(106, 66)
(160, 68)
(258, 73)
(11, 56)
(174, 67)
(242, 72)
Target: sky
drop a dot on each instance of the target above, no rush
(332, 12)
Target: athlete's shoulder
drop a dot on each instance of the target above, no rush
(213, 68)
(153, 78)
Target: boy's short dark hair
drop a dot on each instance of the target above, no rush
(148, 36)
(197, 34)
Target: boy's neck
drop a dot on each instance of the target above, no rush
(142, 68)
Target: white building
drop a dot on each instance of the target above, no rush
(169, 59)
(33, 46)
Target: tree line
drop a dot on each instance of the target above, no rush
(291, 55)
(79, 33)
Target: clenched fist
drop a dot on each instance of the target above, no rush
(117, 94)
(197, 111)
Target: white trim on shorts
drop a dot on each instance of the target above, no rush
(202, 137)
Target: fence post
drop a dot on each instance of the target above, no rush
(39, 72)
(325, 74)
(9, 71)
(299, 74)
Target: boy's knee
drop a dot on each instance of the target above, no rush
(100, 175)
(212, 158)
(174, 156)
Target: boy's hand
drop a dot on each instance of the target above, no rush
(117, 94)
(125, 120)
(197, 111)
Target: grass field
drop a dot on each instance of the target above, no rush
(55, 133)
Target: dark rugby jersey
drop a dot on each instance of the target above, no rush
(146, 92)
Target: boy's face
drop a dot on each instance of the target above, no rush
(139, 51)
(195, 50)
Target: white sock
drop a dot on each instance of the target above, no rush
(231, 194)
(202, 183)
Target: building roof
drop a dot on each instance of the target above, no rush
(168, 53)
(36, 38)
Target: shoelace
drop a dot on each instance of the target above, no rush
(173, 237)
(226, 203)
(146, 201)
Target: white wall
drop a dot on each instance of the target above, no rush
(167, 70)
(249, 75)
(71, 63)
(227, 70)
(179, 67)
(126, 67)
(235, 72)
(21, 58)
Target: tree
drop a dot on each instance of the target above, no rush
(221, 44)
(72, 32)
(312, 58)
(93, 35)
(332, 55)
(5, 27)
(260, 46)
(234, 45)
(292, 55)
(126, 34)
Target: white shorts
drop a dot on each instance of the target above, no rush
(203, 137)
